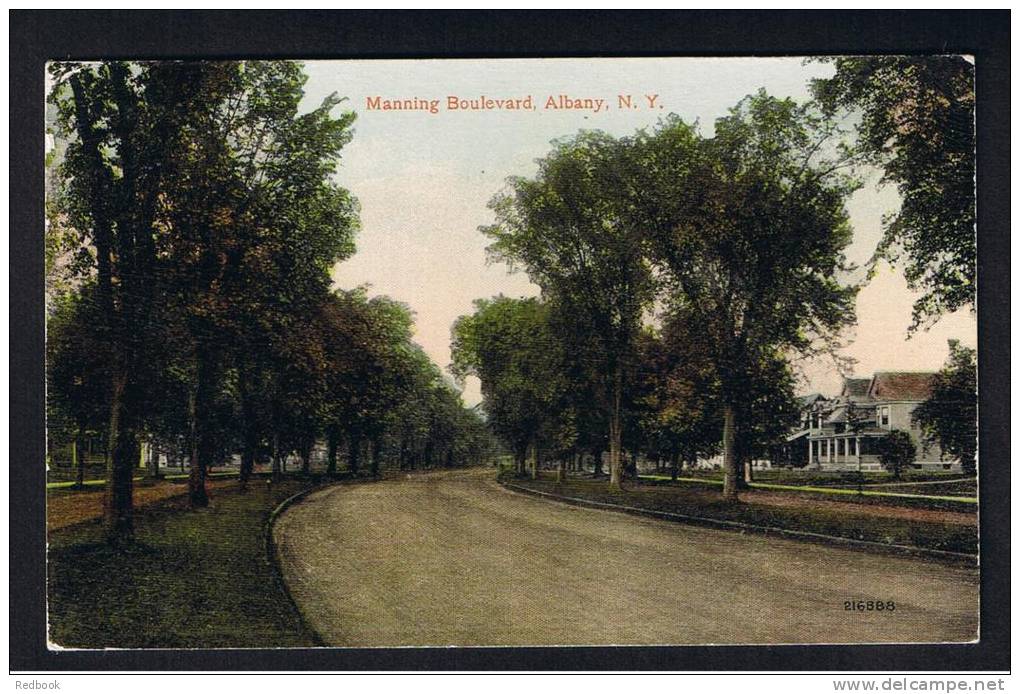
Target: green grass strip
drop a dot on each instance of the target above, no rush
(823, 490)
(99, 483)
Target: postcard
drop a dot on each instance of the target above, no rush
(511, 352)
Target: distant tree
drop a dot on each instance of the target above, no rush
(949, 415)
(507, 344)
(678, 395)
(566, 228)
(77, 375)
(917, 123)
(749, 229)
(768, 412)
(896, 452)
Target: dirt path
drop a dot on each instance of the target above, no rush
(64, 507)
(454, 559)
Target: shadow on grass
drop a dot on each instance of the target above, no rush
(192, 579)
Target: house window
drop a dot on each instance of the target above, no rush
(883, 417)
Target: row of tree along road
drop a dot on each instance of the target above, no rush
(682, 275)
(193, 225)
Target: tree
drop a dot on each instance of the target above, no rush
(508, 345)
(370, 372)
(565, 227)
(949, 415)
(768, 411)
(252, 203)
(678, 393)
(123, 121)
(749, 230)
(202, 197)
(896, 452)
(916, 121)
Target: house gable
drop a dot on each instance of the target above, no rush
(912, 386)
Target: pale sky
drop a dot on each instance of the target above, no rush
(423, 181)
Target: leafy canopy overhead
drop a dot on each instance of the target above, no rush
(916, 121)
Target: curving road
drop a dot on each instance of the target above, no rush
(455, 559)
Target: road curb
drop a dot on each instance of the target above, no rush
(802, 535)
(273, 560)
(272, 555)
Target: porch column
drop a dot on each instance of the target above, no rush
(810, 452)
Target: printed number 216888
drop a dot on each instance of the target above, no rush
(869, 606)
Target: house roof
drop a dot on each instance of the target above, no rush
(838, 416)
(901, 385)
(856, 387)
(811, 399)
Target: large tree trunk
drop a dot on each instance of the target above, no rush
(674, 466)
(117, 503)
(533, 461)
(616, 432)
(404, 453)
(204, 443)
(306, 459)
(354, 453)
(197, 497)
(429, 451)
(332, 444)
(730, 460)
(277, 472)
(152, 464)
(250, 437)
(520, 456)
(376, 455)
(247, 463)
(78, 460)
(123, 447)
(561, 470)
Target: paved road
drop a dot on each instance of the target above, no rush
(454, 559)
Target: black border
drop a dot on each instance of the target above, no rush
(36, 36)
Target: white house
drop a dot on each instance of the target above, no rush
(843, 433)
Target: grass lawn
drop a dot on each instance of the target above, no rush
(926, 528)
(193, 579)
(815, 478)
(100, 483)
(948, 496)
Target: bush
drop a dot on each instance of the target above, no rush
(897, 451)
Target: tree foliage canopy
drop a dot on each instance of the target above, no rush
(949, 415)
(916, 121)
